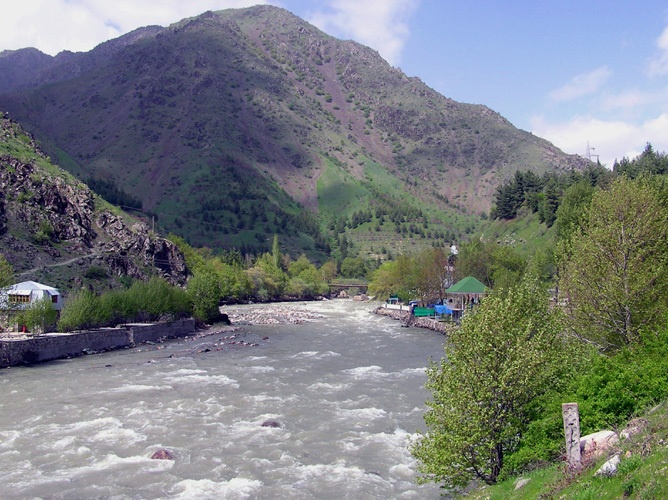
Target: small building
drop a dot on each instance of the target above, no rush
(20, 296)
(465, 294)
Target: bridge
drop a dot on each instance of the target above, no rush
(337, 287)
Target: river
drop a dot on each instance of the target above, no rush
(347, 389)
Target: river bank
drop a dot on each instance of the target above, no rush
(25, 350)
(405, 317)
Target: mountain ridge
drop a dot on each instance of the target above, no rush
(275, 113)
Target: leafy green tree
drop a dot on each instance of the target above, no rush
(81, 311)
(328, 271)
(276, 252)
(493, 264)
(393, 278)
(6, 273)
(615, 275)
(299, 265)
(431, 273)
(204, 292)
(269, 281)
(573, 208)
(39, 316)
(353, 267)
(508, 351)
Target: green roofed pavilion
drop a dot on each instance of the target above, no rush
(467, 285)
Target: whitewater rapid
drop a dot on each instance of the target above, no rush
(347, 388)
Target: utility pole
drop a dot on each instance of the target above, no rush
(589, 152)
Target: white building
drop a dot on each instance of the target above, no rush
(21, 295)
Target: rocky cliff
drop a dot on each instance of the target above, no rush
(55, 230)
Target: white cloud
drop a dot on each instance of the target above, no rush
(79, 25)
(612, 139)
(380, 24)
(580, 85)
(659, 64)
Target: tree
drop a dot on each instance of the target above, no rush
(573, 208)
(6, 273)
(493, 264)
(204, 292)
(328, 271)
(508, 351)
(615, 271)
(81, 310)
(353, 267)
(39, 316)
(431, 273)
(276, 252)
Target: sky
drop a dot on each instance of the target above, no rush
(590, 76)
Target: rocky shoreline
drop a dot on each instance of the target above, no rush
(270, 315)
(408, 320)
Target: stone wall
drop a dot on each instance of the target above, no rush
(64, 345)
(405, 317)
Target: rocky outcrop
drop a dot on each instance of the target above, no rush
(138, 241)
(48, 218)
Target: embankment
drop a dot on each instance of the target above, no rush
(404, 316)
(65, 345)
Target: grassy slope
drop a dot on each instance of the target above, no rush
(642, 474)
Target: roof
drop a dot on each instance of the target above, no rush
(25, 287)
(467, 285)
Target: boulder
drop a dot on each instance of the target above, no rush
(271, 423)
(635, 426)
(597, 444)
(163, 455)
(609, 468)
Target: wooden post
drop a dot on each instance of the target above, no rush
(571, 416)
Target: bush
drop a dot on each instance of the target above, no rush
(611, 391)
(95, 273)
(82, 310)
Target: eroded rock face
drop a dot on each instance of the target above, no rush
(126, 242)
(50, 207)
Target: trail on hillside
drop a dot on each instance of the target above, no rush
(58, 264)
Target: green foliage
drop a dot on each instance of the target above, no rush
(108, 190)
(648, 162)
(508, 351)
(493, 264)
(157, 298)
(615, 274)
(39, 316)
(95, 272)
(572, 209)
(82, 310)
(353, 267)
(392, 278)
(204, 292)
(6, 273)
(609, 390)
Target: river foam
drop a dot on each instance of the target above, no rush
(341, 387)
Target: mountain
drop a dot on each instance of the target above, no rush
(239, 124)
(53, 229)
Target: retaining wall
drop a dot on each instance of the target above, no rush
(64, 345)
(406, 318)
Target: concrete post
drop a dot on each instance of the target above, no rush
(571, 416)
